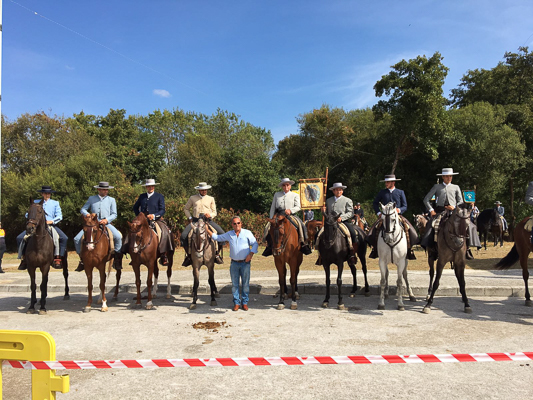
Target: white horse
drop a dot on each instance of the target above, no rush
(392, 249)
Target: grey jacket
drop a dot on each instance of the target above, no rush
(529, 194)
(444, 195)
(285, 201)
(343, 206)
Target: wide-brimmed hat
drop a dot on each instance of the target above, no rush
(150, 182)
(103, 185)
(498, 202)
(337, 185)
(284, 181)
(390, 178)
(202, 186)
(46, 189)
(357, 204)
(448, 171)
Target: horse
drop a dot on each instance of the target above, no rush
(202, 253)
(359, 222)
(334, 250)
(392, 249)
(489, 221)
(95, 253)
(170, 259)
(286, 250)
(520, 252)
(420, 223)
(451, 245)
(40, 254)
(313, 227)
(143, 244)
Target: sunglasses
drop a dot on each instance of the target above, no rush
(236, 223)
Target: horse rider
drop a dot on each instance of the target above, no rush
(529, 199)
(309, 215)
(357, 210)
(105, 207)
(391, 194)
(202, 205)
(474, 213)
(447, 197)
(287, 203)
(339, 204)
(501, 211)
(153, 205)
(54, 215)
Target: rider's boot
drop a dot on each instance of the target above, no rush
(187, 261)
(411, 254)
(81, 267)
(118, 260)
(163, 260)
(304, 248)
(268, 248)
(469, 255)
(373, 253)
(23, 265)
(2, 271)
(319, 260)
(57, 262)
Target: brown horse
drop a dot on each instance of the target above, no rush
(520, 251)
(143, 245)
(313, 227)
(451, 243)
(95, 252)
(286, 250)
(40, 254)
(170, 259)
(202, 253)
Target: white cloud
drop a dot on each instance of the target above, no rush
(161, 93)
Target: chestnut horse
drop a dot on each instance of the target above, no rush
(95, 252)
(202, 253)
(143, 245)
(313, 227)
(286, 250)
(40, 254)
(520, 251)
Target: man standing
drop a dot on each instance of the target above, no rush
(201, 204)
(391, 194)
(501, 210)
(242, 247)
(54, 215)
(105, 207)
(287, 203)
(153, 205)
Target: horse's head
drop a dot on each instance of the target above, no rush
(495, 217)
(137, 227)
(199, 236)
(460, 219)
(389, 215)
(90, 227)
(36, 218)
(279, 231)
(420, 221)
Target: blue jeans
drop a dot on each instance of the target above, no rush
(240, 271)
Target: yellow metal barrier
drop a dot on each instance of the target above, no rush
(34, 346)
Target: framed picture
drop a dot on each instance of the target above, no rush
(469, 196)
(312, 193)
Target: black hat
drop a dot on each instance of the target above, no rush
(46, 189)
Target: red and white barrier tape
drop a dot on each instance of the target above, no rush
(273, 361)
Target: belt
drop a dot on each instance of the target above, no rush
(239, 261)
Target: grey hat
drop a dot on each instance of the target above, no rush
(46, 189)
(103, 185)
(390, 178)
(286, 180)
(448, 171)
(337, 185)
(150, 182)
(498, 202)
(202, 186)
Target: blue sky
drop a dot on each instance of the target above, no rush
(267, 61)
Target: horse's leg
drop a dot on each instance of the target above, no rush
(196, 276)
(33, 288)
(354, 275)
(401, 266)
(409, 290)
(387, 282)
(340, 267)
(169, 275)
(101, 269)
(156, 278)
(117, 286)
(383, 285)
(327, 270)
(211, 272)
(431, 263)
(362, 257)
(293, 280)
(524, 253)
(282, 272)
(89, 274)
(501, 237)
(149, 283)
(137, 270)
(460, 274)
(44, 288)
(64, 264)
(440, 267)
(485, 234)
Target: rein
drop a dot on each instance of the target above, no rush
(455, 247)
(90, 234)
(287, 236)
(140, 246)
(328, 243)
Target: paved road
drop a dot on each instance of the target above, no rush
(499, 323)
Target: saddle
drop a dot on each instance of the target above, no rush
(529, 224)
(109, 235)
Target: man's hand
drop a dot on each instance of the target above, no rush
(451, 208)
(207, 215)
(432, 213)
(288, 212)
(249, 257)
(398, 211)
(323, 209)
(339, 219)
(103, 221)
(151, 217)
(50, 222)
(208, 230)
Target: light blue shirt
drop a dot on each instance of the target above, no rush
(52, 210)
(239, 246)
(105, 208)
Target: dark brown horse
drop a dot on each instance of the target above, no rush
(170, 259)
(286, 250)
(313, 227)
(143, 245)
(489, 221)
(95, 253)
(420, 222)
(40, 254)
(451, 243)
(520, 251)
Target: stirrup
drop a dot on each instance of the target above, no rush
(81, 267)
(23, 266)
(57, 264)
(411, 254)
(373, 253)
(318, 260)
(187, 261)
(304, 248)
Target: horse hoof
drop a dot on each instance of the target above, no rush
(468, 310)
(294, 306)
(352, 295)
(281, 306)
(66, 297)
(529, 303)
(401, 308)
(367, 294)
(213, 303)
(104, 309)
(138, 306)
(149, 306)
(325, 305)
(217, 295)
(192, 307)
(168, 296)
(341, 307)
(412, 298)
(297, 296)
(87, 309)
(42, 312)
(380, 307)
(30, 311)
(426, 310)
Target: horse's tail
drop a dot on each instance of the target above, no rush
(509, 260)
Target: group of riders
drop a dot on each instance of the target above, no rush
(446, 196)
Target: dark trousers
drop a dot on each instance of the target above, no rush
(62, 240)
(185, 234)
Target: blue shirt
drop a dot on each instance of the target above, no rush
(52, 209)
(239, 246)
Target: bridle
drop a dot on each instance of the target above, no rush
(89, 234)
(453, 240)
(389, 228)
(278, 250)
(35, 218)
(328, 227)
(138, 247)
